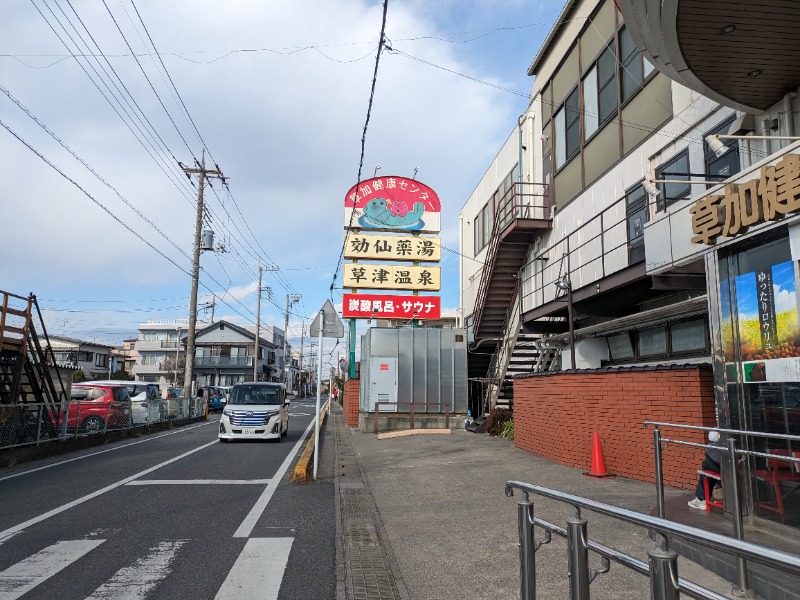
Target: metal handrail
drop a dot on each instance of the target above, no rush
(733, 472)
(411, 411)
(663, 567)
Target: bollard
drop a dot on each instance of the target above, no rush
(578, 557)
(659, 473)
(663, 571)
(527, 557)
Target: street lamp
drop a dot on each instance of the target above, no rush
(563, 283)
(719, 148)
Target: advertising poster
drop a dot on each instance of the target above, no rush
(768, 323)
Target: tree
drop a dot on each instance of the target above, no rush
(121, 375)
(177, 369)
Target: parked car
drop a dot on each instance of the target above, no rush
(145, 404)
(95, 407)
(214, 395)
(256, 411)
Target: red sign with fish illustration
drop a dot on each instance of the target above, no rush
(392, 204)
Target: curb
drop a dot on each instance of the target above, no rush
(303, 470)
(406, 432)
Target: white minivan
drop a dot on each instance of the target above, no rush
(255, 411)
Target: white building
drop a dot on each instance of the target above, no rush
(94, 359)
(156, 341)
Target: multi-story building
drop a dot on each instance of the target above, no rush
(125, 357)
(94, 359)
(160, 352)
(224, 354)
(608, 238)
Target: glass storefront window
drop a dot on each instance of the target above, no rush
(761, 337)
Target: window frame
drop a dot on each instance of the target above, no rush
(562, 111)
(663, 202)
(670, 353)
(645, 77)
(709, 157)
(631, 210)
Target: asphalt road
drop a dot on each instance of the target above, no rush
(169, 515)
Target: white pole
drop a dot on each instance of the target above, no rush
(319, 390)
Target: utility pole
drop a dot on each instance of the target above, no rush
(202, 173)
(258, 323)
(213, 306)
(302, 335)
(286, 378)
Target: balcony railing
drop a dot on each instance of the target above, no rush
(223, 361)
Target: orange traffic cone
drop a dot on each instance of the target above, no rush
(598, 464)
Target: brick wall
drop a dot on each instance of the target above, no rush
(351, 402)
(556, 415)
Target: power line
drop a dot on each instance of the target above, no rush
(381, 43)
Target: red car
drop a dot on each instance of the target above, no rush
(97, 407)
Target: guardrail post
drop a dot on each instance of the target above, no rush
(447, 415)
(738, 525)
(527, 556)
(663, 571)
(659, 472)
(578, 557)
(377, 410)
(412, 413)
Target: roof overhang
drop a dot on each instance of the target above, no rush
(739, 53)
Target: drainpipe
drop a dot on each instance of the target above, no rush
(460, 269)
(520, 121)
(788, 113)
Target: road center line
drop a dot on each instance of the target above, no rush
(200, 482)
(100, 492)
(149, 439)
(261, 504)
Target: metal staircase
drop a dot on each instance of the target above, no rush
(28, 371)
(521, 215)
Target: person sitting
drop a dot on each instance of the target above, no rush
(710, 463)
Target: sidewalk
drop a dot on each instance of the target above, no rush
(426, 518)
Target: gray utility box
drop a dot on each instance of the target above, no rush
(423, 366)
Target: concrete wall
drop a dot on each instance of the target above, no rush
(556, 415)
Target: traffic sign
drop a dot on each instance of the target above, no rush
(332, 326)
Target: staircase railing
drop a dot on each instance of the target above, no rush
(500, 359)
(516, 203)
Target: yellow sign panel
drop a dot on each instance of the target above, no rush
(768, 198)
(390, 277)
(393, 247)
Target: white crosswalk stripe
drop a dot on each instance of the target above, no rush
(25, 575)
(137, 580)
(258, 572)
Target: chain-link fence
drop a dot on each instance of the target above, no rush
(35, 423)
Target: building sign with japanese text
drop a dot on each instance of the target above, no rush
(379, 306)
(392, 204)
(390, 277)
(392, 247)
(771, 196)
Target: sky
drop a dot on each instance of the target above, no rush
(277, 93)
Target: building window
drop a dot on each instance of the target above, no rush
(483, 226)
(676, 170)
(688, 336)
(600, 92)
(85, 356)
(653, 342)
(620, 346)
(152, 359)
(634, 68)
(636, 214)
(101, 360)
(722, 167)
(568, 129)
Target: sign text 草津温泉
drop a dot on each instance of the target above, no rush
(391, 277)
(775, 193)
